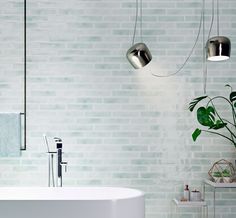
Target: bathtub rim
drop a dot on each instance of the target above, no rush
(65, 193)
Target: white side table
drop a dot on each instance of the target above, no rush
(215, 187)
(201, 204)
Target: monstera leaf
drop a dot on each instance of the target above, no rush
(195, 101)
(218, 125)
(206, 116)
(232, 95)
(196, 133)
(232, 98)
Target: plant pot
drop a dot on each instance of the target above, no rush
(222, 179)
(227, 179)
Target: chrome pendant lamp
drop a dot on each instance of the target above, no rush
(138, 54)
(218, 47)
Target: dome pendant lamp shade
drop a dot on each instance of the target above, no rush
(139, 55)
(218, 48)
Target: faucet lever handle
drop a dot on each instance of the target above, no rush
(63, 163)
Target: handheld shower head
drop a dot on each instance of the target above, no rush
(57, 139)
(58, 142)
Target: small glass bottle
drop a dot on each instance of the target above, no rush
(186, 193)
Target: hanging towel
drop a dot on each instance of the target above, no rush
(10, 134)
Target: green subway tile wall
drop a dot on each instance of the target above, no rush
(120, 127)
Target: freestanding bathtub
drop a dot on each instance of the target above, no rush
(84, 202)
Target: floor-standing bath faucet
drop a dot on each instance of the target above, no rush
(55, 155)
(60, 163)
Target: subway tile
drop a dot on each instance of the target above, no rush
(120, 127)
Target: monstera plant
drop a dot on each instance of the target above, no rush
(210, 118)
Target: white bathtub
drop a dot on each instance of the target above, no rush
(84, 202)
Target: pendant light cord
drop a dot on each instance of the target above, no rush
(204, 63)
(140, 10)
(135, 23)
(218, 18)
(191, 51)
(212, 18)
(141, 20)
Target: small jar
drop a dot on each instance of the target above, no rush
(195, 195)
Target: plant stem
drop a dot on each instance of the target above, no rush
(229, 122)
(216, 133)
